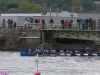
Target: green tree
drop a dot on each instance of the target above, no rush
(65, 7)
(87, 4)
(26, 7)
(76, 6)
(12, 5)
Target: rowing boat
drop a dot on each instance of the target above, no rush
(26, 53)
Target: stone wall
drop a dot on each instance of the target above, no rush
(80, 47)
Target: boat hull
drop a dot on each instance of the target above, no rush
(25, 53)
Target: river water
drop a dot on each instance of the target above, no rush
(17, 65)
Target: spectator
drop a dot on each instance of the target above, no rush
(51, 22)
(3, 23)
(38, 20)
(78, 23)
(26, 22)
(14, 25)
(43, 23)
(62, 23)
(11, 23)
(66, 23)
(8, 23)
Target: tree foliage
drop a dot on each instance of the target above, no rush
(12, 5)
(76, 6)
(26, 7)
(88, 5)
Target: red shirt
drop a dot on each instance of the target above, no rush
(38, 20)
(66, 23)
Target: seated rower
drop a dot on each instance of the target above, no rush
(54, 51)
(30, 51)
(61, 51)
(51, 51)
(47, 51)
(68, 51)
(76, 51)
(44, 51)
(36, 50)
(71, 52)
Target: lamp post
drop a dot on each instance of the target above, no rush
(50, 11)
(57, 11)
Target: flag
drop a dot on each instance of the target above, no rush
(37, 59)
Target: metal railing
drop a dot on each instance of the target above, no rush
(54, 26)
(73, 27)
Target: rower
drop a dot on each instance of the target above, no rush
(68, 51)
(47, 51)
(39, 51)
(44, 51)
(36, 50)
(51, 51)
(71, 52)
(61, 51)
(76, 51)
(29, 50)
(54, 51)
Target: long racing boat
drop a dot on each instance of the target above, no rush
(26, 53)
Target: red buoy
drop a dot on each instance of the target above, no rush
(37, 73)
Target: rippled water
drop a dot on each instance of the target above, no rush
(17, 65)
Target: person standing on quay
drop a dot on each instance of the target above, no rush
(43, 23)
(62, 23)
(87, 49)
(51, 22)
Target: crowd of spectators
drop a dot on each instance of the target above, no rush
(82, 24)
(9, 22)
